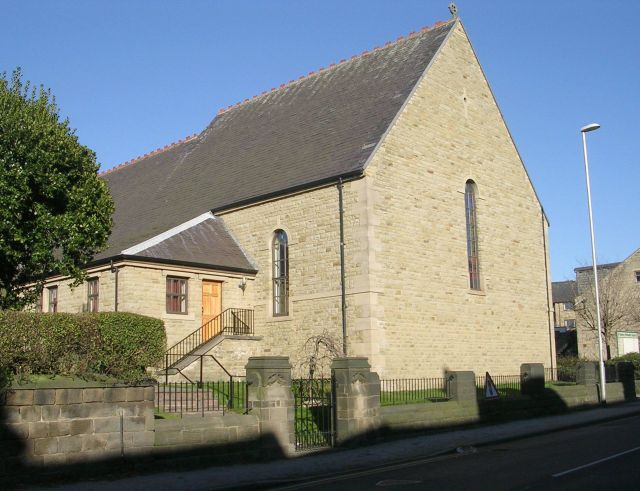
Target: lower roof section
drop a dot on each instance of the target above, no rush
(206, 244)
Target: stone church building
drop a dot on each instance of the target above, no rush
(382, 197)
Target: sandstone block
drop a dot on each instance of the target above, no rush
(19, 397)
(93, 395)
(44, 396)
(68, 396)
(43, 446)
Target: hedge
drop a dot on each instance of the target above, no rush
(629, 357)
(113, 344)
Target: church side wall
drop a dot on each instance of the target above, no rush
(311, 221)
(449, 132)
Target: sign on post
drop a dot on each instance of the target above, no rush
(490, 390)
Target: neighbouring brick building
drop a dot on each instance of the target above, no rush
(564, 295)
(620, 306)
(403, 148)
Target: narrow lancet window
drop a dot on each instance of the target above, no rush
(472, 235)
(280, 273)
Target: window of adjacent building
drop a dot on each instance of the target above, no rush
(93, 291)
(571, 323)
(280, 259)
(176, 295)
(472, 235)
(53, 299)
(637, 276)
(627, 343)
(568, 306)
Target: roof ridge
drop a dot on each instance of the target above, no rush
(331, 66)
(154, 152)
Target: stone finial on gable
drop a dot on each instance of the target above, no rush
(453, 8)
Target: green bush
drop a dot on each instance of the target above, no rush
(633, 358)
(114, 344)
(568, 364)
(129, 343)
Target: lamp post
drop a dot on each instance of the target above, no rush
(584, 130)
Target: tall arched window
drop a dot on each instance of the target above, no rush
(472, 235)
(280, 259)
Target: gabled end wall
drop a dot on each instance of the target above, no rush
(451, 130)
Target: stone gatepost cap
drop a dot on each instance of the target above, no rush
(460, 373)
(269, 362)
(351, 362)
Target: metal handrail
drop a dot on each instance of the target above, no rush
(230, 321)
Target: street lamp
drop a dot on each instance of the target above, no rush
(584, 130)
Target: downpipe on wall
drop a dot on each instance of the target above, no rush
(342, 273)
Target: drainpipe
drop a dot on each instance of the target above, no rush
(546, 282)
(115, 270)
(342, 275)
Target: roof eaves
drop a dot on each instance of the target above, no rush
(349, 176)
(173, 262)
(599, 266)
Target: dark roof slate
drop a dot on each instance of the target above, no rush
(599, 266)
(141, 191)
(207, 243)
(321, 127)
(563, 291)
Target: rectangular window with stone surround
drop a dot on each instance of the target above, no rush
(176, 295)
(93, 286)
(53, 299)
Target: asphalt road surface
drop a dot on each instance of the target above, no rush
(602, 456)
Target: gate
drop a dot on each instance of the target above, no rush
(314, 412)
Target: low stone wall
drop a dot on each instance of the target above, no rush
(581, 395)
(555, 399)
(191, 432)
(428, 415)
(53, 425)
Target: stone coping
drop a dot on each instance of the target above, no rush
(73, 383)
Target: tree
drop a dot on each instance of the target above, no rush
(318, 353)
(55, 213)
(619, 304)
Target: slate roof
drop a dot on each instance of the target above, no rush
(582, 269)
(321, 127)
(563, 291)
(207, 243)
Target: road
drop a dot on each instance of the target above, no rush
(600, 456)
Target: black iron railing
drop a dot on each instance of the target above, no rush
(413, 390)
(195, 397)
(233, 321)
(560, 374)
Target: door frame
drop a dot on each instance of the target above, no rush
(210, 331)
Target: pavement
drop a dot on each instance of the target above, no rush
(350, 460)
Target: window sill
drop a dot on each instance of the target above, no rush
(480, 293)
(179, 317)
(279, 318)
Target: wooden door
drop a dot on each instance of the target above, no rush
(211, 308)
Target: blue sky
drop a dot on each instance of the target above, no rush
(133, 76)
